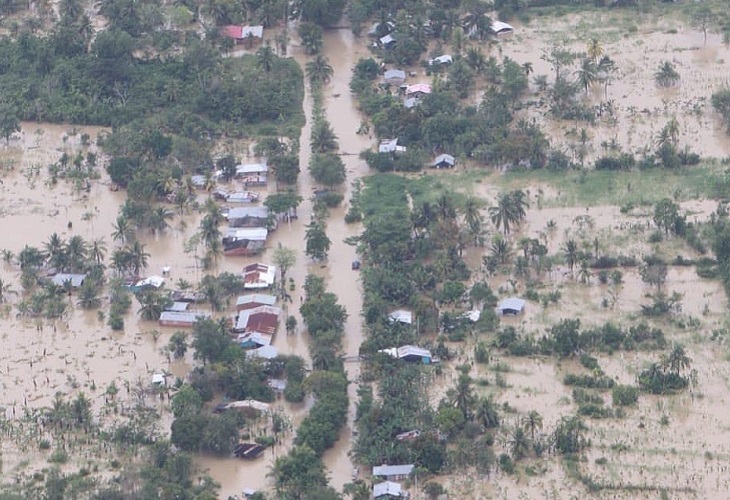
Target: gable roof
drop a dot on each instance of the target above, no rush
(76, 280)
(401, 316)
(444, 59)
(500, 27)
(246, 233)
(387, 488)
(444, 158)
(252, 168)
(247, 212)
(422, 88)
(258, 276)
(512, 303)
(262, 319)
(254, 31)
(263, 299)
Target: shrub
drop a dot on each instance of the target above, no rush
(625, 395)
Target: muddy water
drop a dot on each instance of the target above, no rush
(641, 108)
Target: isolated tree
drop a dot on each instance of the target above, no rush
(703, 18)
(667, 75)
(265, 58)
(487, 412)
(317, 242)
(311, 36)
(462, 395)
(677, 360)
(319, 71)
(322, 138)
(587, 74)
(654, 274)
(327, 169)
(594, 49)
(519, 444)
(97, 251)
(284, 258)
(531, 422)
(570, 254)
(666, 213)
(122, 230)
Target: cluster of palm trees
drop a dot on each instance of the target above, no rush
(210, 234)
(509, 211)
(130, 260)
(73, 255)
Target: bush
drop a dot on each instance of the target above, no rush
(506, 464)
(625, 395)
(589, 381)
(624, 161)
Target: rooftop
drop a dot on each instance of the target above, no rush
(392, 470)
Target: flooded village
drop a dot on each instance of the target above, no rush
(474, 251)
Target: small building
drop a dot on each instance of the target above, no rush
(444, 161)
(254, 300)
(410, 353)
(248, 217)
(258, 276)
(181, 319)
(387, 41)
(178, 307)
(74, 280)
(375, 28)
(251, 168)
(248, 451)
(394, 77)
(502, 28)
(146, 283)
(388, 489)
(159, 379)
(411, 102)
(393, 472)
(244, 241)
(401, 316)
(198, 181)
(511, 306)
(262, 319)
(267, 352)
(444, 59)
(242, 197)
(243, 33)
(253, 340)
(390, 146)
(418, 89)
(245, 404)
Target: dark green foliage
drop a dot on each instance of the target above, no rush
(625, 395)
(589, 381)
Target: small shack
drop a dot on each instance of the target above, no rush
(444, 59)
(401, 316)
(387, 41)
(262, 319)
(248, 217)
(390, 146)
(444, 161)
(245, 241)
(243, 33)
(394, 76)
(502, 28)
(388, 489)
(267, 352)
(418, 90)
(410, 353)
(511, 307)
(248, 451)
(393, 472)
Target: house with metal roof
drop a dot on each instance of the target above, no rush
(183, 319)
(387, 489)
(401, 316)
(258, 276)
(511, 306)
(254, 300)
(390, 146)
(394, 76)
(393, 472)
(248, 217)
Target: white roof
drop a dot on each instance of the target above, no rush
(512, 303)
(473, 315)
(501, 27)
(76, 280)
(444, 59)
(444, 158)
(412, 350)
(158, 378)
(259, 276)
(394, 74)
(390, 146)
(256, 298)
(248, 403)
(387, 39)
(392, 470)
(242, 197)
(247, 233)
(401, 316)
(252, 168)
(154, 281)
(255, 31)
(387, 488)
(266, 352)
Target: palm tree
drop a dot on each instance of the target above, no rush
(473, 219)
(500, 249)
(666, 76)
(587, 74)
(122, 230)
(152, 304)
(519, 443)
(138, 257)
(594, 49)
(462, 395)
(502, 214)
(678, 359)
(445, 207)
(98, 250)
(31, 258)
(319, 71)
(322, 138)
(265, 58)
(158, 220)
(89, 295)
(120, 260)
(570, 253)
(531, 422)
(475, 59)
(584, 274)
(76, 251)
(488, 413)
